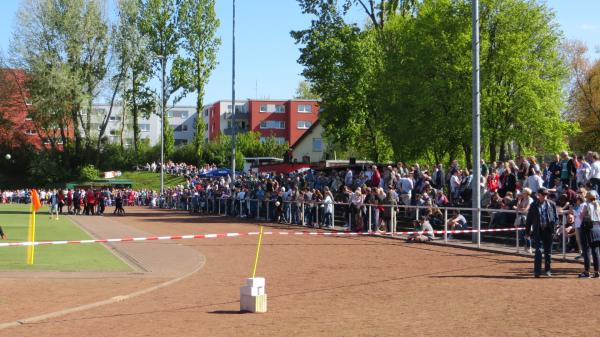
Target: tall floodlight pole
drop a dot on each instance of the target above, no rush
(233, 101)
(163, 61)
(476, 125)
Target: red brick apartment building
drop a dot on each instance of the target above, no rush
(15, 109)
(286, 120)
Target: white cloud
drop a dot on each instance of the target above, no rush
(589, 27)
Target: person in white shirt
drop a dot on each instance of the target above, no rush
(534, 181)
(583, 172)
(455, 182)
(348, 178)
(594, 174)
(328, 201)
(405, 187)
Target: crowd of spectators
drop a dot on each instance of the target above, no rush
(367, 196)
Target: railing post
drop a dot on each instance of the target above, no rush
(564, 237)
(302, 213)
(317, 213)
(219, 203)
(332, 224)
(257, 209)
(350, 217)
(446, 225)
(417, 213)
(268, 209)
(370, 220)
(393, 220)
(518, 232)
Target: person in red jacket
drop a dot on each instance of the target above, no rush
(91, 202)
(376, 177)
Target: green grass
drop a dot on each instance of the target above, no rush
(85, 257)
(150, 180)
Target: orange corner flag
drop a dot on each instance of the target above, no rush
(35, 205)
(35, 201)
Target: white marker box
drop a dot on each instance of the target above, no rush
(256, 282)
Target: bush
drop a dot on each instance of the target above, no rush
(89, 172)
(184, 154)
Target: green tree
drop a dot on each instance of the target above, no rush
(198, 24)
(138, 99)
(584, 97)
(159, 24)
(343, 63)
(305, 91)
(63, 46)
(523, 77)
(169, 144)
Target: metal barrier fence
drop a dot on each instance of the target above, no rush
(346, 215)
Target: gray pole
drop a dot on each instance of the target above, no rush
(162, 126)
(476, 126)
(233, 101)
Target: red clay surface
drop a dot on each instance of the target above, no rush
(324, 286)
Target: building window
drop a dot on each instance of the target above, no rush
(206, 112)
(304, 124)
(304, 108)
(114, 118)
(28, 102)
(180, 128)
(178, 114)
(30, 132)
(98, 111)
(280, 108)
(144, 127)
(114, 132)
(272, 125)
(180, 141)
(263, 108)
(278, 140)
(317, 145)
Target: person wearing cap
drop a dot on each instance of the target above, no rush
(539, 226)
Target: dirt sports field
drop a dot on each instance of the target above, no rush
(317, 286)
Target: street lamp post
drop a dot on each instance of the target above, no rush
(233, 101)
(476, 125)
(163, 61)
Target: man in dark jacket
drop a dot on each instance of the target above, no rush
(541, 219)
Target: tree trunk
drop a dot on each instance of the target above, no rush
(468, 159)
(502, 151)
(492, 150)
(134, 116)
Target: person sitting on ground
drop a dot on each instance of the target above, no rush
(457, 222)
(425, 227)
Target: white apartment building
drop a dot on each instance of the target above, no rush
(181, 118)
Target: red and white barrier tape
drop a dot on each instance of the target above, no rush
(229, 235)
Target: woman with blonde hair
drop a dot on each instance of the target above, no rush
(591, 234)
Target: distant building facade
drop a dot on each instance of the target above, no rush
(286, 120)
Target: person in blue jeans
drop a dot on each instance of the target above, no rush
(541, 219)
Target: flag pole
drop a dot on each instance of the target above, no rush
(35, 205)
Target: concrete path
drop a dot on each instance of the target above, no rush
(153, 258)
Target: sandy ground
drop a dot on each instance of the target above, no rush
(321, 286)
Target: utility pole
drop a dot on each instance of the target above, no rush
(476, 182)
(163, 64)
(233, 101)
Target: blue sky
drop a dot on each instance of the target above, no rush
(266, 55)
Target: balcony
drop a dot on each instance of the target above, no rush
(239, 116)
(228, 131)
